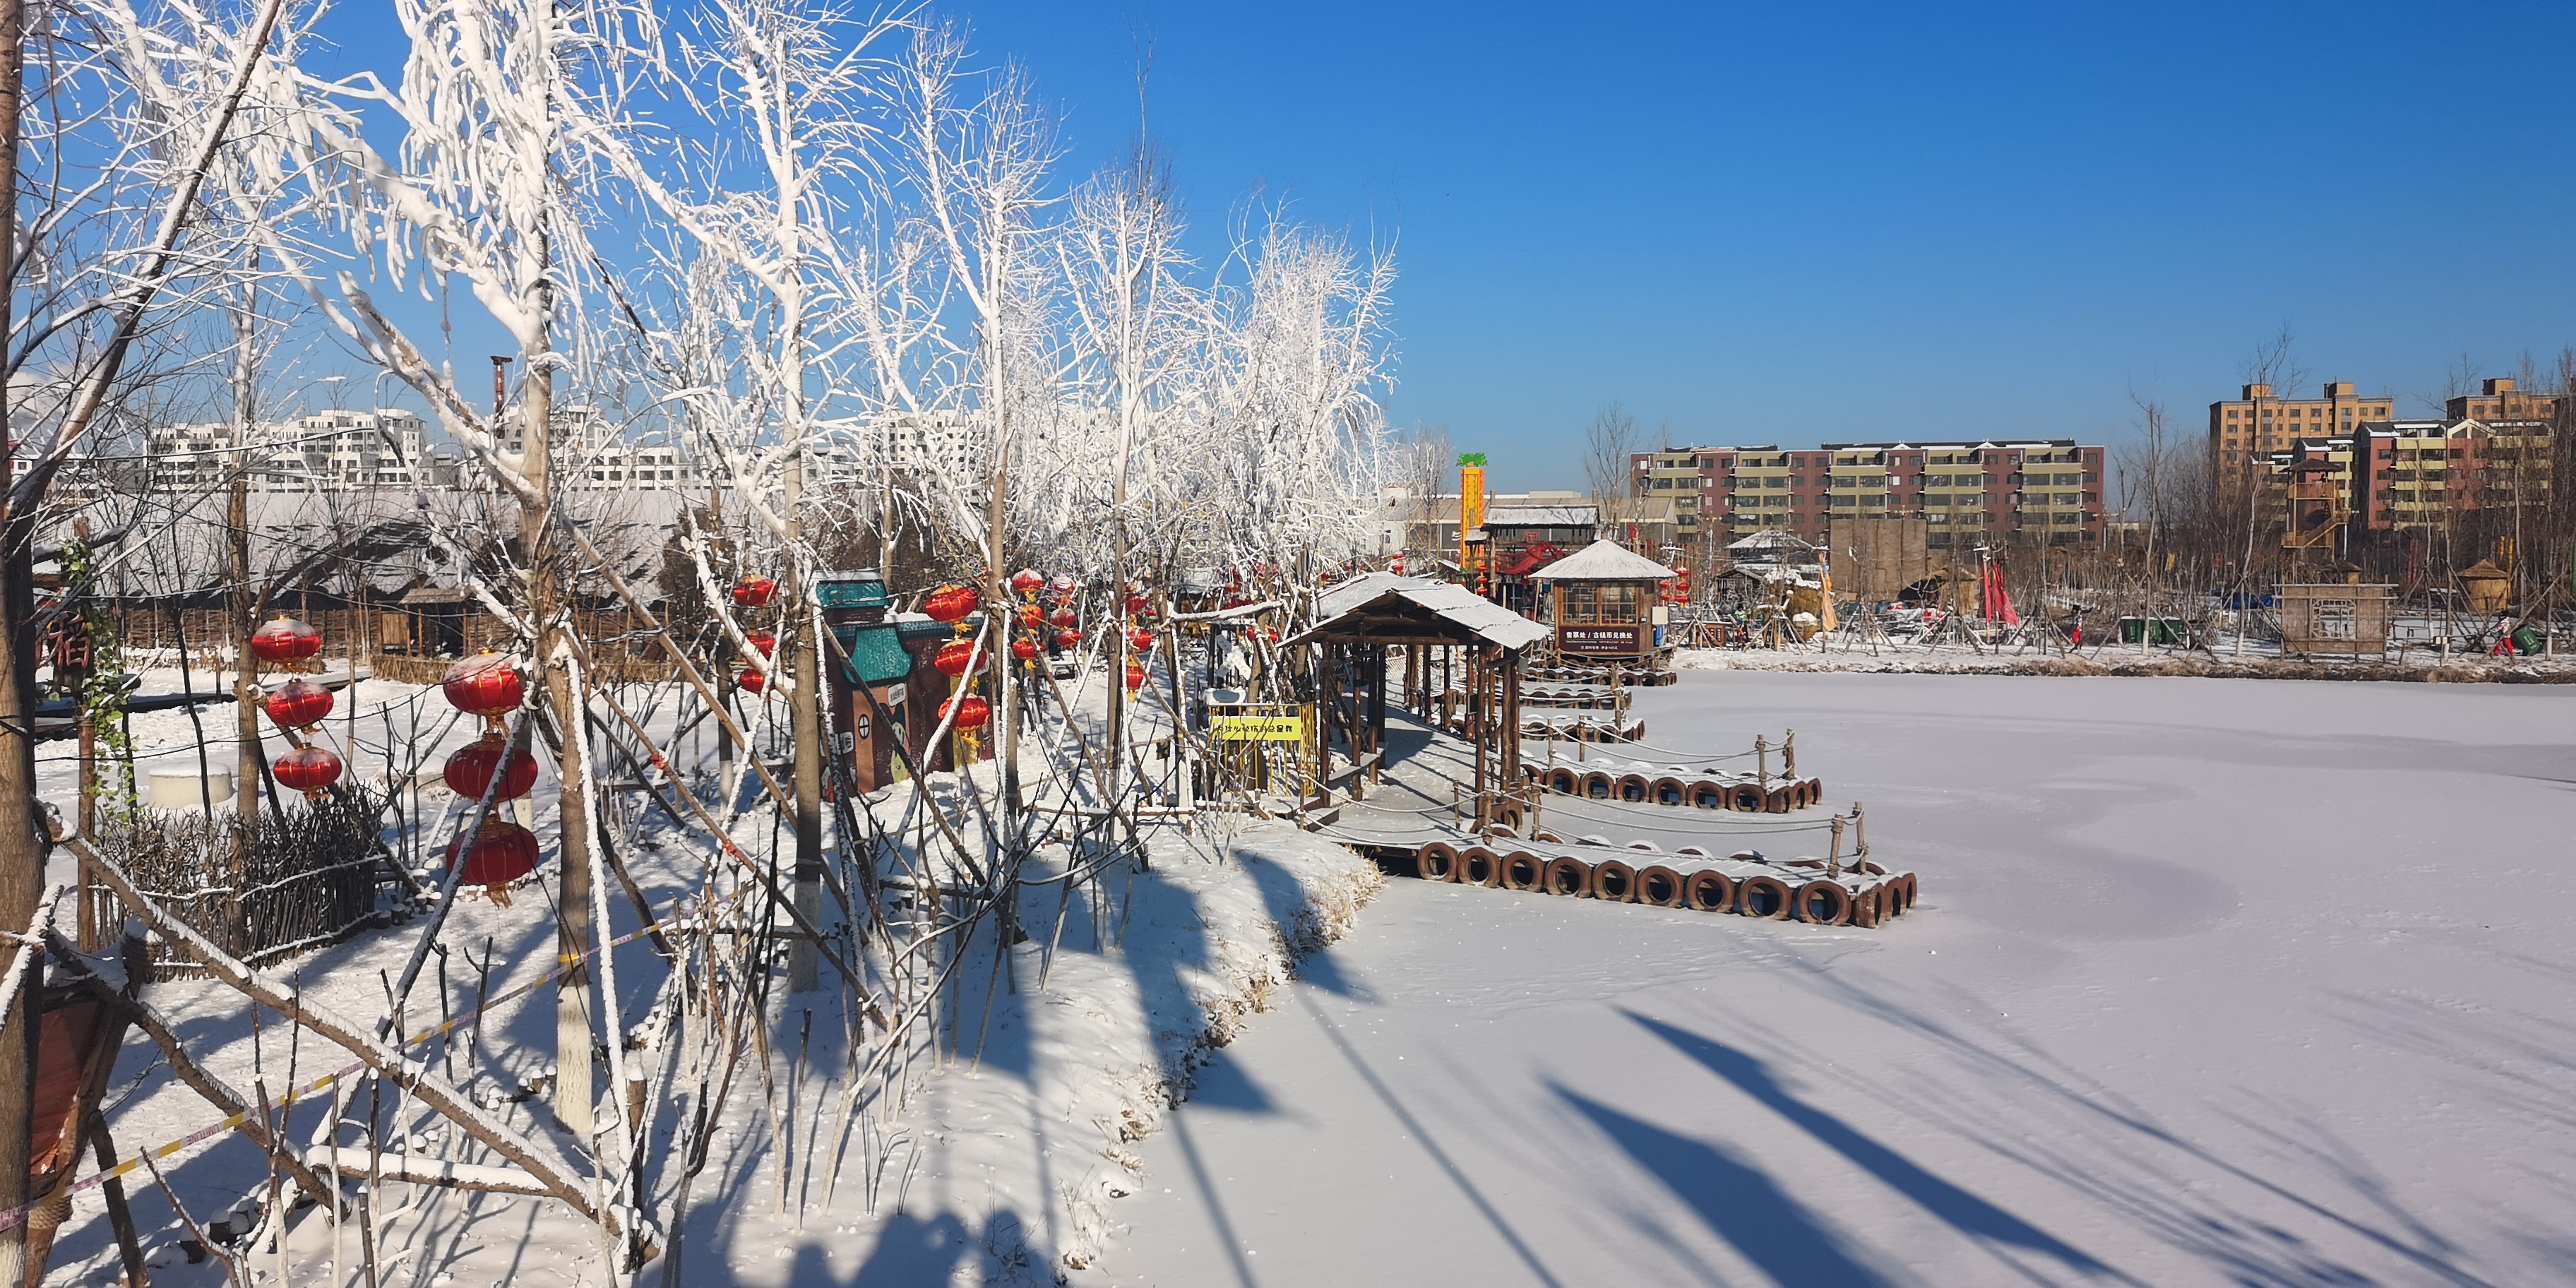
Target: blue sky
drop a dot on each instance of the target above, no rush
(1799, 223)
(1809, 222)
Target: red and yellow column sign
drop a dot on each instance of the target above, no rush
(1471, 503)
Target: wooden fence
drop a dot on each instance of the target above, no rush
(310, 881)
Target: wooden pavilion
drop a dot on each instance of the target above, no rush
(1360, 620)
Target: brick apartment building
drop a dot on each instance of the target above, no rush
(2043, 491)
(2418, 475)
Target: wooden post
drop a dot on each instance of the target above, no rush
(1327, 705)
(1479, 719)
(1377, 711)
(1762, 762)
(1834, 855)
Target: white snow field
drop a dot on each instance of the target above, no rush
(2212, 981)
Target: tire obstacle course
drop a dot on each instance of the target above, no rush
(1704, 787)
(1817, 891)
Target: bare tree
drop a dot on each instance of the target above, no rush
(1609, 444)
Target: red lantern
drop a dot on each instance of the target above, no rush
(1024, 648)
(300, 704)
(1067, 639)
(1137, 603)
(1064, 583)
(972, 711)
(1026, 581)
(755, 592)
(469, 772)
(752, 681)
(1135, 676)
(1030, 617)
(764, 644)
(1064, 616)
(501, 852)
(1270, 634)
(950, 604)
(285, 640)
(1141, 640)
(953, 658)
(486, 684)
(307, 769)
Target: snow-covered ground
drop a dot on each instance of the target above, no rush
(2254, 660)
(2233, 982)
(1003, 1165)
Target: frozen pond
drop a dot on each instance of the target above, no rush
(2211, 982)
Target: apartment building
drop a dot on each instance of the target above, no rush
(2497, 400)
(2419, 475)
(2258, 424)
(2047, 491)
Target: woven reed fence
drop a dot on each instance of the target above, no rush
(310, 881)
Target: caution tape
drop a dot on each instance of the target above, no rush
(11, 1219)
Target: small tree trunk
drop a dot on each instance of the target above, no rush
(797, 629)
(572, 1089)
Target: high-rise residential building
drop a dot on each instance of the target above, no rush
(2048, 491)
(2497, 399)
(2258, 424)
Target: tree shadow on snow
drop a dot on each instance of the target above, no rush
(1963, 1211)
(909, 1252)
(1738, 1203)
(2094, 1143)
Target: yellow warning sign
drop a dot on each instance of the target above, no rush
(1259, 728)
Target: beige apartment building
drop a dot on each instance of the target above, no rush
(2498, 400)
(2252, 427)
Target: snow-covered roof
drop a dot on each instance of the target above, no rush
(1542, 516)
(1772, 539)
(1340, 608)
(1603, 560)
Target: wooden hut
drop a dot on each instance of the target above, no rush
(1605, 601)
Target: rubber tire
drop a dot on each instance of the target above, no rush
(1471, 858)
(1611, 872)
(1755, 891)
(1867, 907)
(1506, 877)
(1745, 799)
(1556, 881)
(1672, 880)
(1709, 891)
(1441, 855)
(1838, 901)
